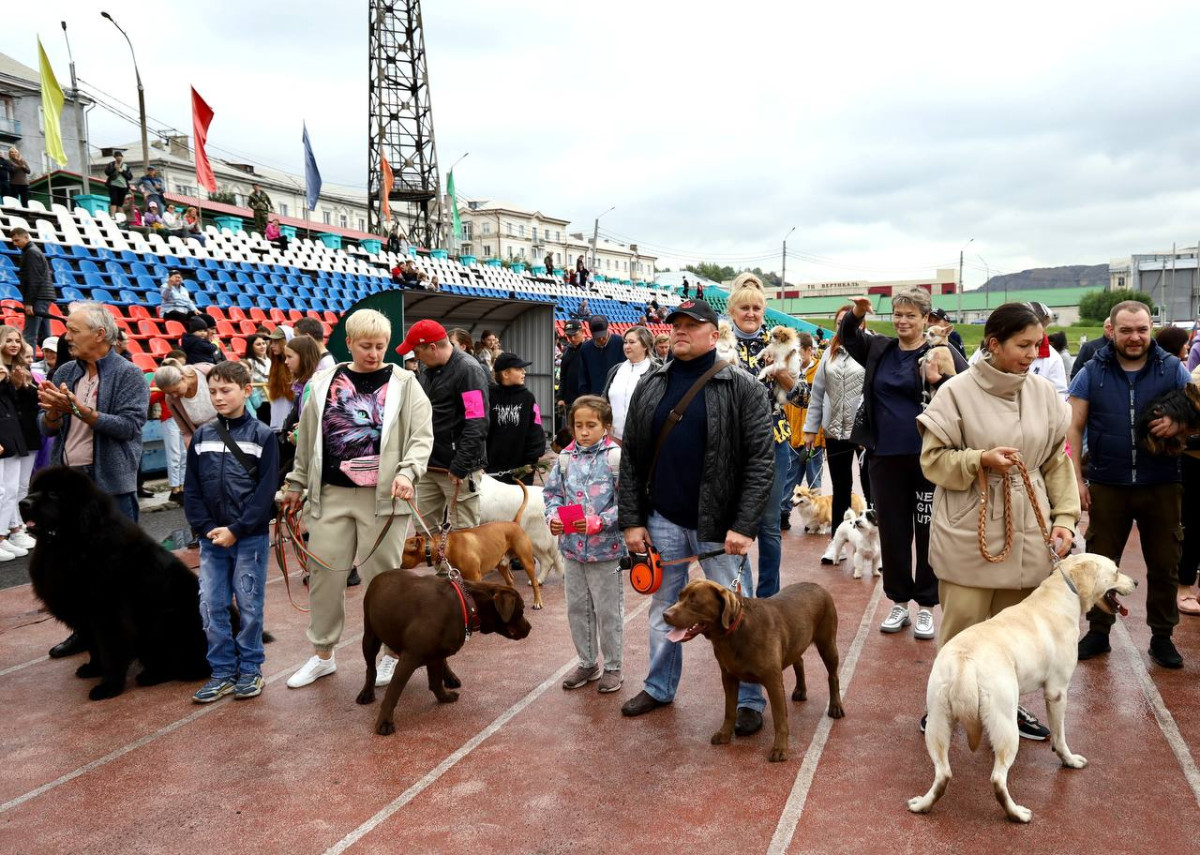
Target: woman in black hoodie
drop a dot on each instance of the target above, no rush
(516, 437)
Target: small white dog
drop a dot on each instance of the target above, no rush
(781, 355)
(861, 533)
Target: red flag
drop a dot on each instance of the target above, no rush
(388, 182)
(202, 115)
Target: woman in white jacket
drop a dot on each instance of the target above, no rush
(833, 402)
(624, 377)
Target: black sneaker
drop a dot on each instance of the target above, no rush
(785, 522)
(1029, 727)
(748, 721)
(1093, 644)
(1162, 651)
(640, 704)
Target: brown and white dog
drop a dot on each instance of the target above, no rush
(938, 336)
(475, 552)
(980, 674)
(816, 508)
(781, 355)
(754, 640)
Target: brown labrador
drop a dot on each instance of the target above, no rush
(754, 640)
(420, 618)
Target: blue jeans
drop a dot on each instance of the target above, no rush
(225, 572)
(798, 473)
(37, 325)
(770, 549)
(666, 657)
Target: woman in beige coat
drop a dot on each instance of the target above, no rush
(988, 417)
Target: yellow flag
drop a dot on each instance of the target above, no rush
(52, 104)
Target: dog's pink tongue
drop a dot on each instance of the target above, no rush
(677, 634)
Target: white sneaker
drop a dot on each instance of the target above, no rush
(385, 669)
(924, 627)
(828, 557)
(11, 548)
(311, 671)
(22, 539)
(5, 555)
(896, 620)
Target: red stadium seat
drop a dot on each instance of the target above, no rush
(257, 314)
(57, 327)
(147, 328)
(174, 329)
(248, 327)
(225, 329)
(278, 316)
(160, 346)
(294, 315)
(215, 312)
(236, 315)
(145, 361)
(239, 346)
(138, 312)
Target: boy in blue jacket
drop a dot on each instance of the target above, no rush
(229, 499)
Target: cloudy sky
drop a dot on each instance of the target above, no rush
(888, 134)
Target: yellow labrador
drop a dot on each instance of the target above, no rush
(980, 674)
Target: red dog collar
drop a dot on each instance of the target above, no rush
(470, 614)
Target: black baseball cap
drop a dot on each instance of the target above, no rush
(697, 310)
(572, 327)
(940, 314)
(509, 360)
(598, 323)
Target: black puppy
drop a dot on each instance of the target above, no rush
(1182, 406)
(420, 618)
(105, 578)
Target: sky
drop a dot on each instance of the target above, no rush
(889, 135)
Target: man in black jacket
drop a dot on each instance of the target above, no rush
(568, 369)
(37, 287)
(457, 387)
(708, 491)
(598, 356)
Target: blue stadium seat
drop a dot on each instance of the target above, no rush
(8, 291)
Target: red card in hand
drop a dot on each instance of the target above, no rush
(569, 514)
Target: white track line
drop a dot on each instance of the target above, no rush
(790, 817)
(1166, 721)
(465, 749)
(10, 669)
(146, 740)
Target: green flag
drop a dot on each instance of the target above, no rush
(454, 206)
(52, 104)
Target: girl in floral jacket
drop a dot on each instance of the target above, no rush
(581, 508)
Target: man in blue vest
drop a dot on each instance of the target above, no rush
(1126, 483)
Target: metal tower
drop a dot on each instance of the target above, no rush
(401, 123)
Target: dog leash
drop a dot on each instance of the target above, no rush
(1055, 561)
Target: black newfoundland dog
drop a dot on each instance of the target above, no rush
(101, 575)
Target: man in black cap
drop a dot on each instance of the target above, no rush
(598, 356)
(710, 485)
(940, 318)
(568, 367)
(516, 437)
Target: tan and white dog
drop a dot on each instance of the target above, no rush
(782, 355)
(727, 344)
(980, 674)
(938, 336)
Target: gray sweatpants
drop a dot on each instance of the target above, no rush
(596, 608)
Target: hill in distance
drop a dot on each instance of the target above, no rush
(1070, 276)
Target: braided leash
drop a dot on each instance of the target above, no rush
(1055, 561)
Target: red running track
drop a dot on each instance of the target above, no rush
(520, 766)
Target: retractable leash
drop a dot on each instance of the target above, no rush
(646, 568)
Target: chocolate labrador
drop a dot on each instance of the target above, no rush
(421, 619)
(754, 640)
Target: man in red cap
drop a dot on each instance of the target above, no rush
(457, 387)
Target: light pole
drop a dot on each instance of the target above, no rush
(80, 127)
(141, 94)
(959, 289)
(783, 276)
(450, 206)
(987, 291)
(596, 237)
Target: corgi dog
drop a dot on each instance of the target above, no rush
(816, 510)
(782, 354)
(860, 531)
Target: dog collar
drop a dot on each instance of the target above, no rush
(1067, 579)
(470, 613)
(737, 621)
(428, 555)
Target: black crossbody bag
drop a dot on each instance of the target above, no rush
(242, 457)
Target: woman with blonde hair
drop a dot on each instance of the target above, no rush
(25, 405)
(19, 176)
(186, 390)
(623, 378)
(747, 307)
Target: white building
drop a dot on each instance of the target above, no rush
(493, 229)
(21, 120)
(944, 281)
(343, 207)
(1170, 278)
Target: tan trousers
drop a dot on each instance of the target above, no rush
(434, 492)
(346, 531)
(963, 606)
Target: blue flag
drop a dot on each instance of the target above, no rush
(312, 175)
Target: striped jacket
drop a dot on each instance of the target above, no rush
(218, 491)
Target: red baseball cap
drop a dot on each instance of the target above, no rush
(422, 332)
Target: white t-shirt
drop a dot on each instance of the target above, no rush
(620, 392)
